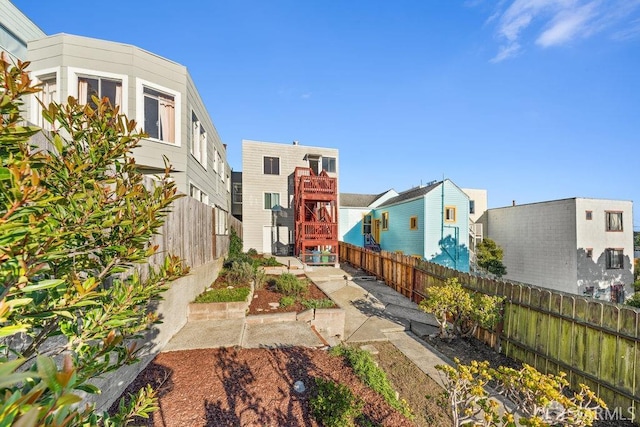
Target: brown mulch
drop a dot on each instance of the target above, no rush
(249, 387)
(262, 298)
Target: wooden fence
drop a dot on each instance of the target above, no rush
(189, 232)
(596, 343)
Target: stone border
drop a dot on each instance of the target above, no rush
(219, 310)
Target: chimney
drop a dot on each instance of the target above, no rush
(295, 142)
(513, 203)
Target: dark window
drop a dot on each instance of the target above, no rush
(589, 215)
(613, 221)
(366, 224)
(450, 214)
(271, 166)
(413, 223)
(329, 164)
(271, 200)
(472, 207)
(615, 259)
(237, 192)
(385, 220)
(589, 252)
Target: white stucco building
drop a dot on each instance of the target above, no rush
(577, 245)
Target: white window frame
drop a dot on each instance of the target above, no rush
(198, 146)
(222, 226)
(279, 165)
(263, 199)
(72, 83)
(177, 99)
(199, 195)
(329, 160)
(36, 110)
(215, 160)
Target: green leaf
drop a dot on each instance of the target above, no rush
(4, 174)
(88, 388)
(68, 399)
(48, 370)
(44, 284)
(6, 331)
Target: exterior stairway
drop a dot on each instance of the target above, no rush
(370, 243)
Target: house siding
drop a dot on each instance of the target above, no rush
(350, 225)
(256, 219)
(399, 236)
(544, 243)
(69, 54)
(20, 31)
(455, 232)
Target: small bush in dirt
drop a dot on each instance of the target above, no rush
(287, 301)
(252, 252)
(268, 262)
(259, 278)
(366, 369)
(240, 273)
(290, 284)
(334, 405)
(317, 303)
(224, 295)
(467, 310)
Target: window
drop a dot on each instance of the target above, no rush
(47, 96)
(615, 258)
(101, 87)
(198, 141)
(271, 200)
(271, 166)
(159, 115)
(198, 194)
(588, 215)
(329, 164)
(613, 221)
(385, 220)
(366, 224)
(589, 252)
(237, 192)
(222, 227)
(472, 207)
(413, 223)
(450, 214)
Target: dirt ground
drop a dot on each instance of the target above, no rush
(262, 297)
(250, 387)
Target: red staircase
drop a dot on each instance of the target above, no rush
(316, 217)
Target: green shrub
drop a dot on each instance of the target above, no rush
(224, 295)
(289, 284)
(365, 368)
(317, 303)
(287, 301)
(259, 278)
(240, 273)
(334, 405)
(235, 244)
(634, 301)
(252, 252)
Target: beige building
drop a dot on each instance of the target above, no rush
(578, 245)
(268, 190)
(158, 93)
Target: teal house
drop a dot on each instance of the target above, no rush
(430, 222)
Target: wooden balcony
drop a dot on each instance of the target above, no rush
(318, 231)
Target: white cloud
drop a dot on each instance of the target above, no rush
(556, 22)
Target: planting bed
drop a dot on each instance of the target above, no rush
(262, 298)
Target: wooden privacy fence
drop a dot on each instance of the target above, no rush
(189, 232)
(596, 343)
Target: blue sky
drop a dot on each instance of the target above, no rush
(530, 99)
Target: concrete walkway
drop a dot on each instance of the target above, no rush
(373, 312)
